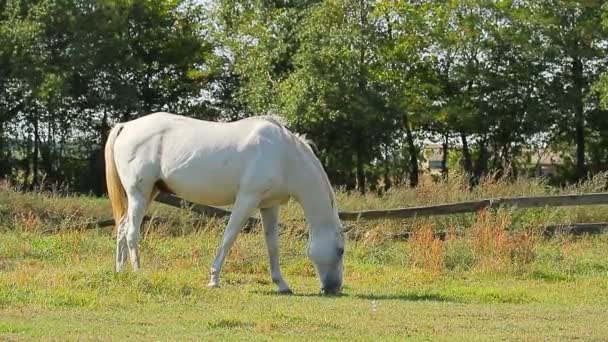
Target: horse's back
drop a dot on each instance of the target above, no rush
(203, 161)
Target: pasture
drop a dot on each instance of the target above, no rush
(494, 278)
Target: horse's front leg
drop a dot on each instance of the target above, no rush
(270, 219)
(240, 213)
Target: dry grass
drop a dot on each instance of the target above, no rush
(428, 250)
(492, 276)
(491, 241)
(487, 247)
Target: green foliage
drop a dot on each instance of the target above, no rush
(368, 81)
(69, 68)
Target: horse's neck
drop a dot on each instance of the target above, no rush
(315, 195)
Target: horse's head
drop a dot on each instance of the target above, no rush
(326, 251)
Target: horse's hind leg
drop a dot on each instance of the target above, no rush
(138, 203)
(270, 220)
(240, 212)
(127, 237)
(121, 245)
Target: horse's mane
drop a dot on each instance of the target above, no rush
(280, 121)
(274, 118)
(306, 145)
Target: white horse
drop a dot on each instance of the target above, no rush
(251, 163)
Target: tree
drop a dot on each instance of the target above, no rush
(90, 62)
(259, 40)
(404, 72)
(332, 93)
(574, 43)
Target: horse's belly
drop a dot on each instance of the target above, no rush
(210, 183)
(203, 193)
(272, 201)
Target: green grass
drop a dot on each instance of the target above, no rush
(498, 280)
(63, 287)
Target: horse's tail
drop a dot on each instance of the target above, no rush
(116, 190)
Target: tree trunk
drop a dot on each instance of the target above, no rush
(496, 155)
(579, 117)
(362, 88)
(387, 172)
(504, 168)
(360, 177)
(444, 158)
(4, 154)
(482, 163)
(360, 165)
(413, 152)
(466, 154)
(35, 154)
(349, 177)
(46, 153)
(27, 163)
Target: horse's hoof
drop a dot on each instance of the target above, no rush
(286, 291)
(213, 285)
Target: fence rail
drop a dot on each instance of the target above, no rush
(576, 229)
(473, 206)
(433, 210)
(206, 210)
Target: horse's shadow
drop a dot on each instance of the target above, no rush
(410, 297)
(298, 294)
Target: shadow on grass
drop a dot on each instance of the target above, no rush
(311, 295)
(412, 297)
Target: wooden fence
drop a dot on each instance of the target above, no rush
(433, 210)
(473, 206)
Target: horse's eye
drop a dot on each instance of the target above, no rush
(340, 251)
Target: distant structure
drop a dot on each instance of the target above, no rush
(546, 164)
(542, 163)
(433, 156)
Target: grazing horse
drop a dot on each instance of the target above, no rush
(251, 163)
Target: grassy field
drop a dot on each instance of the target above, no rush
(494, 278)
